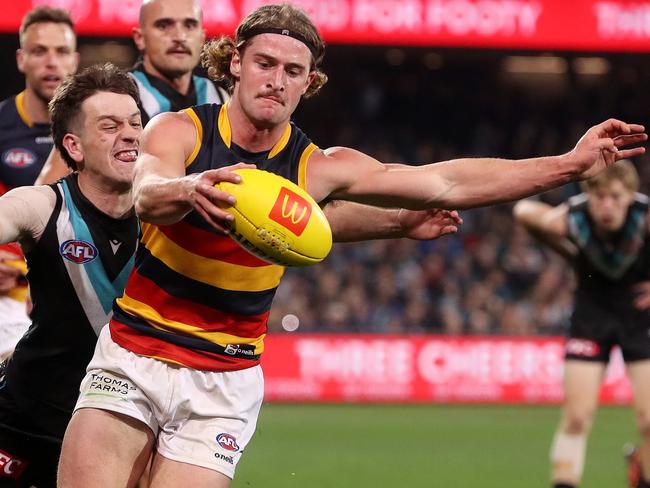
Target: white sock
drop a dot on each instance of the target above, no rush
(568, 457)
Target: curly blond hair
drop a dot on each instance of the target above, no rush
(217, 53)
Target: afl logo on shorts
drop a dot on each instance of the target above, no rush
(582, 347)
(228, 442)
(78, 252)
(18, 158)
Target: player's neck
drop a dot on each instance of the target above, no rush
(180, 83)
(247, 135)
(35, 107)
(114, 202)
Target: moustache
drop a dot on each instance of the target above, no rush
(179, 48)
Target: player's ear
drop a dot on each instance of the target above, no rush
(20, 60)
(138, 38)
(76, 61)
(72, 144)
(235, 63)
(310, 79)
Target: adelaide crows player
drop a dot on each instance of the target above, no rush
(187, 335)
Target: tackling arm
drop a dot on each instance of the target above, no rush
(24, 212)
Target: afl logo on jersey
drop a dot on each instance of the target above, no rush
(18, 157)
(78, 252)
(228, 442)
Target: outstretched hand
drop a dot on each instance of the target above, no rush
(209, 201)
(602, 145)
(429, 224)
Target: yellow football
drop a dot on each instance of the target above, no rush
(277, 220)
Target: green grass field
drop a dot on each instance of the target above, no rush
(359, 446)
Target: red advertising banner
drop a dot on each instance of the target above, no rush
(366, 368)
(592, 25)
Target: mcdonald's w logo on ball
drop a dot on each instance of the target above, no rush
(291, 211)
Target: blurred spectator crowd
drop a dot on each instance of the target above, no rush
(490, 278)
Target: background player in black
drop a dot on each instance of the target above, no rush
(46, 55)
(604, 233)
(79, 237)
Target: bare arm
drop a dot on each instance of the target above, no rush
(346, 174)
(24, 212)
(356, 222)
(163, 194)
(53, 170)
(547, 224)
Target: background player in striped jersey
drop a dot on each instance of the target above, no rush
(604, 234)
(46, 55)
(188, 332)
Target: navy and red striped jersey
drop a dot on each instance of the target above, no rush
(195, 297)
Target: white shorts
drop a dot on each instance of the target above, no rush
(14, 322)
(202, 418)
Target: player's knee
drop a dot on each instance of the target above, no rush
(643, 423)
(578, 421)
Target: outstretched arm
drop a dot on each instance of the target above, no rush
(356, 222)
(547, 224)
(346, 174)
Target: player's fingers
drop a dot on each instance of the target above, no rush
(214, 176)
(214, 209)
(630, 153)
(613, 126)
(227, 173)
(218, 197)
(221, 224)
(636, 127)
(627, 139)
(456, 217)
